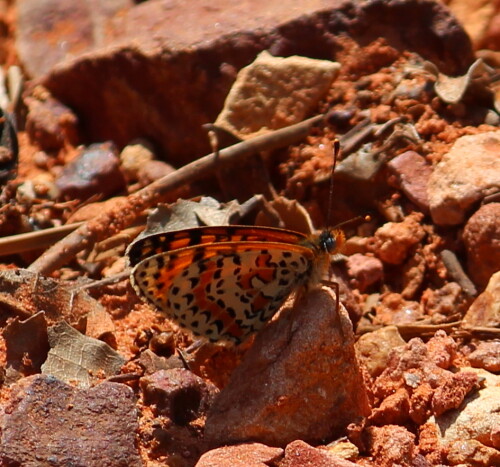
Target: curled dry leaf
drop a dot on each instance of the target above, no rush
(75, 357)
(452, 89)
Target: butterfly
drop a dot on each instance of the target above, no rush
(224, 283)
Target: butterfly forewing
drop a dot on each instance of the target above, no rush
(174, 240)
(225, 290)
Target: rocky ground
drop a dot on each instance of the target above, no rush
(109, 113)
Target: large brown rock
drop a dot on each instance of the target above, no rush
(300, 380)
(165, 67)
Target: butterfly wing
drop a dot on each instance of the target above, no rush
(223, 291)
(167, 241)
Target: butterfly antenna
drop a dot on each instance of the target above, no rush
(336, 152)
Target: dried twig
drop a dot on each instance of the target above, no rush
(457, 273)
(35, 240)
(124, 213)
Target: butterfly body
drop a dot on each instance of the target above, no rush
(226, 282)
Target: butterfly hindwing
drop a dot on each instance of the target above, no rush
(223, 290)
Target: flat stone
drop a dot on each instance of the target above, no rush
(412, 173)
(485, 310)
(310, 358)
(466, 174)
(242, 455)
(49, 422)
(280, 91)
(189, 70)
(482, 242)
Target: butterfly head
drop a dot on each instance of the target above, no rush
(331, 241)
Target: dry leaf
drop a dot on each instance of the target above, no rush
(75, 357)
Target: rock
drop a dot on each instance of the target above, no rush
(49, 31)
(375, 347)
(445, 303)
(178, 394)
(152, 47)
(471, 452)
(465, 175)
(134, 156)
(478, 418)
(486, 356)
(394, 309)
(153, 170)
(411, 175)
(280, 91)
(299, 454)
(242, 455)
(364, 270)
(310, 358)
(51, 423)
(393, 241)
(422, 371)
(95, 170)
(391, 445)
(50, 123)
(482, 242)
(485, 310)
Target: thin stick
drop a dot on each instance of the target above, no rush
(35, 240)
(124, 213)
(457, 273)
(336, 151)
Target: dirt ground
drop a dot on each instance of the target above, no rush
(353, 320)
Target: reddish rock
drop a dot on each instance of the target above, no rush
(486, 355)
(49, 31)
(419, 369)
(95, 170)
(307, 355)
(51, 423)
(465, 175)
(477, 418)
(391, 445)
(134, 156)
(485, 310)
(451, 393)
(482, 242)
(374, 348)
(364, 270)
(242, 455)
(445, 303)
(411, 173)
(50, 123)
(394, 409)
(153, 170)
(393, 241)
(300, 454)
(472, 452)
(393, 309)
(178, 394)
(152, 47)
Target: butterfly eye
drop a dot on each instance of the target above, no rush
(328, 241)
